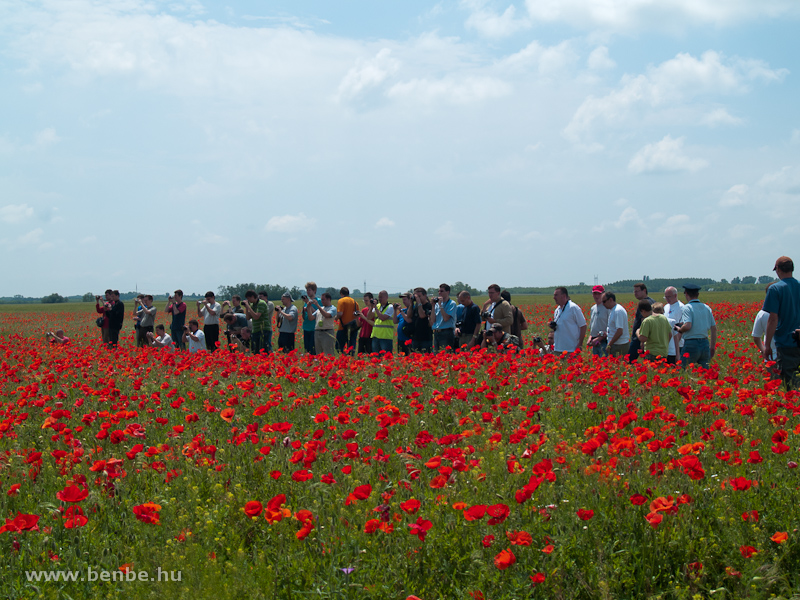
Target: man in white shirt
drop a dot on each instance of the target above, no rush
(598, 323)
(760, 331)
(210, 310)
(617, 333)
(673, 310)
(194, 337)
(568, 324)
(161, 339)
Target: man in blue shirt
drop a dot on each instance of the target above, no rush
(697, 325)
(443, 320)
(783, 305)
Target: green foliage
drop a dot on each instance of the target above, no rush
(53, 299)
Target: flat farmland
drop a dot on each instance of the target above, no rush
(468, 475)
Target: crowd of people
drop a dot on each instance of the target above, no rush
(672, 331)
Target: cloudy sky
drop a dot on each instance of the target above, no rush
(195, 144)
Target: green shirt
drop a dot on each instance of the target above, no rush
(657, 330)
(263, 322)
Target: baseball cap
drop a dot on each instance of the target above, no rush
(598, 288)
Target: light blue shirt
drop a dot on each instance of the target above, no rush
(439, 312)
(701, 318)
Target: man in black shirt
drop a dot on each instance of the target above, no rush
(640, 292)
(420, 312)
(469, 322)
(115, 318)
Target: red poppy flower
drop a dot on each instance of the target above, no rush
(638, 499)
(780, 537)
(538, 578)
(747, 551)
(487, 541)
(410, 506)
(420, 528)
(72, 493)
(73, 517)
(475, 513)
(504, 560)
(585, 514)
(519, 538)
(498, 512)
(147, 513)
(21, 522)
(253, 508)
(302, 475)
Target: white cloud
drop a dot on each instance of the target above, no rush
(290, 224)
(599, 60)
(629, 215)
(677, 225)
(643, 15)
(89, 239)
(33, 237)
(547, 60)
(674, 82)
(447, 231)
(795, 139)
(720, 116)
(741, 231)
(453, 90)
(664, 156)
(491, 25)
(367, 74)
(735, 196)
(15, 213)
(384, 222)
(46, 137)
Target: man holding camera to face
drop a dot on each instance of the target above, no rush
(420, 313)
(443, 320)
(210, 310)
(382, 316)
(194, 337)
(256, 309)
(568, 324)
(147, 318)
(177, 308)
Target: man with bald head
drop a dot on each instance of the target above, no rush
(673, 308)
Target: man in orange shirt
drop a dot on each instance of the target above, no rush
(346, 310)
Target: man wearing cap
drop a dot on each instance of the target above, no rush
(568, 324)
(287, 322)
(697, 325)
(783, 305)
(598, 323)
(673, 310)
(497, 339)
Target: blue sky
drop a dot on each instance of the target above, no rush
(541, 142)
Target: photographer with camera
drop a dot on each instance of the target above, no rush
(104, 310)
(405, 326)
(468, 320)
(497, 310)
(495, 338)
(58, 337)
(325, 314)
(147, 318)
(309, 321)
(287, 323)
(194, 337)
(160, 339)
(382, 315)
(210, 310)
(420, 313)
(545, 348)
(365, 324)
(233, 305)
(234, 323)
(568, 324)
(177, 308)
(257, 310)
(116, 317)
(443, 320)
(347, 312)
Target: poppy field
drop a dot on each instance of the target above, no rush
(469, 476)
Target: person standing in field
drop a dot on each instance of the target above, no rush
(783, 305)
(443, 320)
(640, 293)
(382, 324)
(497, 310)
(518, 323)
(287, 323)
(655, 332)
(346, 310)
(325, 314)
(105, 310)
(598, 323)
(673, 310)
(760, 331)
(617, 332)
(147, 319)
(405, 326)
(420, 313)
(568, 324)
(210, 310)
(257, 310)
(267, 337)
(697, 326)
(177, 308)
(468, 320)
(365, 324)
(309, 322)
(116, 318)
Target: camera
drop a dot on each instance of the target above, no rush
(485, 315)
(97, 298)
(186, 328)
(304, 297)
(537, 339)
(436, 300)
(553, 325)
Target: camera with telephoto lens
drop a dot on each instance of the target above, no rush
(553, 325)
(485, 315)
